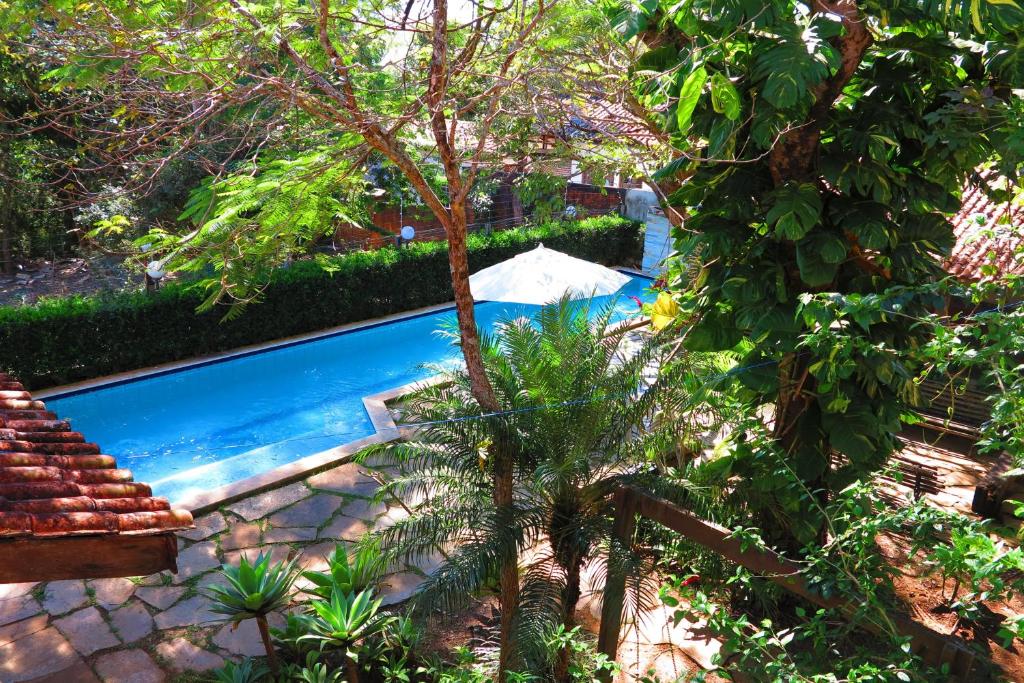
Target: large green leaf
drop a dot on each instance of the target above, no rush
(689, 95)
(796, 210)
(629, 19)
(725, 99)
(814, 270)
(792, 66)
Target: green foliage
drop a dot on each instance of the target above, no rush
(245, 671)
(986, 567)
(860, 643)
(583, 417)
(345, 619)
(983, 347)
(349, 574)
(287, 639)
(75, 338)
(816, 181)
(254, 589)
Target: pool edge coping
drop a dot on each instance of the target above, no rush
(381, 418)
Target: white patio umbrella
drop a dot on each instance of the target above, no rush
(543, 275)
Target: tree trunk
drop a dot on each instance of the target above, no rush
(6, 220)
(483, 392)
(458, 263)
(570, 599)
(6, 257)
(261, 622)
(351, 670)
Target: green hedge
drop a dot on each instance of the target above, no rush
(70, 339)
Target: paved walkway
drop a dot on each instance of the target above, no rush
(153, 628)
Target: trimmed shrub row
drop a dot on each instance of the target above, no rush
(70, 339)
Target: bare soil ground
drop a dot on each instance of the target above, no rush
(62, 277)
(925, 599)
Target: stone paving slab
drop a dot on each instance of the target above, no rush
(79, 672)
(64, 596)
(20, 629)
(263, 504)
(36, 655)
(241, 536)
(181, 655)
(132, 622)
(16, 609)
(290, 535)
(206, 526)
(16, 590)
(309, 512)
(278, 553)
(345, 528)
(129, 666)
(110, 593)
(400, 587)
(160, 597)
(192, 612)
(195, 560)
(87, 631)
(153, 629)
(244, 639)
(361, 508)
(348, 479)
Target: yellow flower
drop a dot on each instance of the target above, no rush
(664, 311)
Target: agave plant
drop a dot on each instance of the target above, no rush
(349, 573)
(287, 638)
(344, 621)
(245, 671)
(316, 672)
(253, 591)
(583, 412)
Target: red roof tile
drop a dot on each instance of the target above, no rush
(987, 234)
(53, 483)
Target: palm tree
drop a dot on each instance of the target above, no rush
(582, 410)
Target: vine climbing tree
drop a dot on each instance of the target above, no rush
(823, 146)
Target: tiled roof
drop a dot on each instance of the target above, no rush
(984, 237)
(53, 483)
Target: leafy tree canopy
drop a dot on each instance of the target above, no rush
(823, 146)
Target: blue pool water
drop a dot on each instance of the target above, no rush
(198, 428)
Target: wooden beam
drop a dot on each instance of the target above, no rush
(86, 557)
(934, 648)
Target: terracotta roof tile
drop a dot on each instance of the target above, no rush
(988, 234)
(54, 483)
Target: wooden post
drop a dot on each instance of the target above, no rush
(615, 581)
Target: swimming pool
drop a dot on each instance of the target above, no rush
(196, 428)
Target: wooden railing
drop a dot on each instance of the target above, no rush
(934, 648)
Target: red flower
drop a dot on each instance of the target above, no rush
(691, 580)
(639, 303)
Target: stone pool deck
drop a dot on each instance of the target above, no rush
(159, 627)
